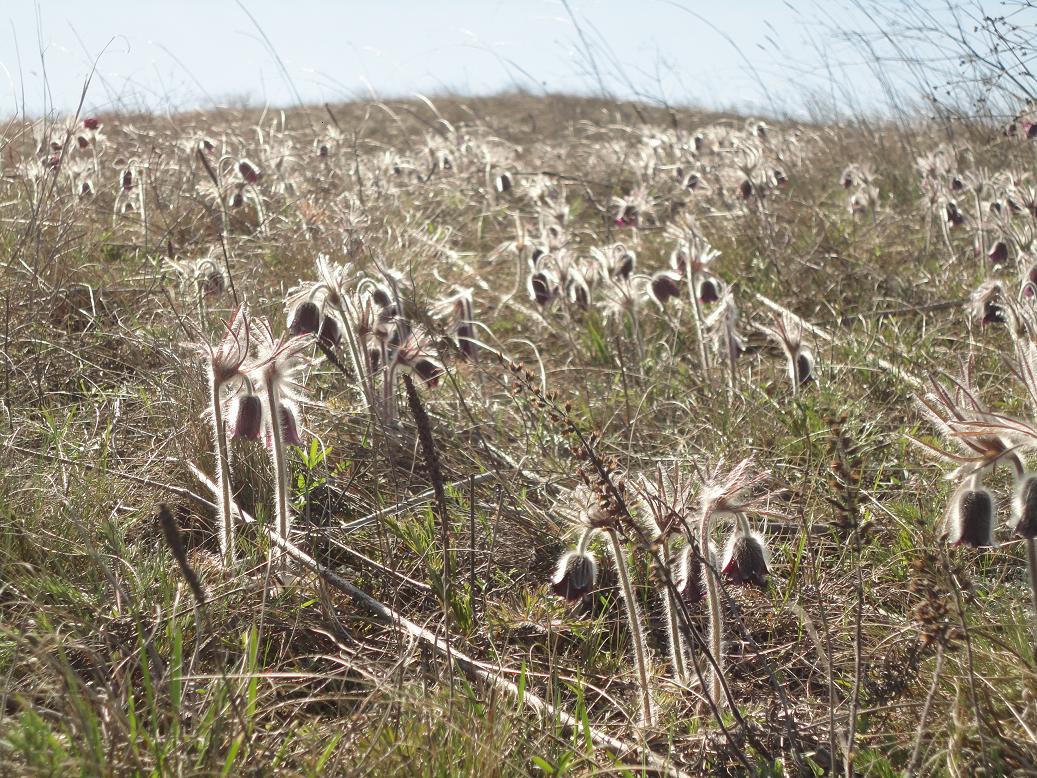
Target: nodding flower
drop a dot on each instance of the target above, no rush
(457, 311)
(664, 286)
(289, 424)
(329, 335)
(1028, 288)
(953, 215)
(709, 290)
(412, 355)
(1024, 507)
(788, 332)
(970, 517)
(615, 261)
(689, 581)
(746, 560)
(575, 576)
(305, 319)
(998, 253)
(985, 305)
(542, 282)
(577, 290)
(91, 123)
(247, 418)
(249, 171)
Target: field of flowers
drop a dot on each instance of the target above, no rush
(516, 435)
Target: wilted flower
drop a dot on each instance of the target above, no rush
(575, 576)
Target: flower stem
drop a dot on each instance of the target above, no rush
(716, 616)
(226, 517)
(1031, 563)
(673, 629)
(634, 622)
(280, 468)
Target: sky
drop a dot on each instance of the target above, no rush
(766, 56)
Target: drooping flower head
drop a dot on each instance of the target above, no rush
(746, 560)
(971, 516)
(575, 575)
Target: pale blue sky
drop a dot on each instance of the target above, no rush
(756, 55)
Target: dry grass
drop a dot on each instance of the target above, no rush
(107, 666)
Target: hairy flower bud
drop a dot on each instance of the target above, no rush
(575, 576)
(746, 560)
(249, 171)
(290, 425)
(690, 582)
(329, 333)
(665, 285)
(709, 291)
(305, 319)
(248, 418)
(998, 253)
(1026, 508)
(971, 519)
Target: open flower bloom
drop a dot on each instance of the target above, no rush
(575, 576)
(746, 560)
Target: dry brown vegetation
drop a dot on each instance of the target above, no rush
(875, 646)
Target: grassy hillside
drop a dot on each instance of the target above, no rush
(545, 325)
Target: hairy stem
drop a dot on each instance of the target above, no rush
(673, 630)
(634, 622)
(226, 517)
(280, 468)
(1031, 563)
(693, 295)
(716, 616)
